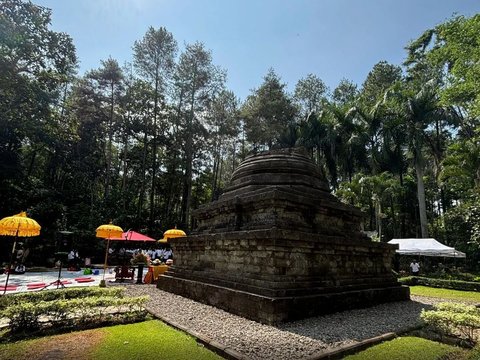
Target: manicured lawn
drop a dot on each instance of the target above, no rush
(150, 339)
(445, 293)
(145, 340)
(405, 348)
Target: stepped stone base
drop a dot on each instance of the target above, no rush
(274, 310)
(277, 246)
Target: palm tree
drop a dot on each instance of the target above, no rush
(370, 122)
(420, 110)
(351, 141)
(317, 134)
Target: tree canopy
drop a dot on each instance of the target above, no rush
(144, 143)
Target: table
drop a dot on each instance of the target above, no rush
(154, 271)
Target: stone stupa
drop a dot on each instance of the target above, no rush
(277, 246)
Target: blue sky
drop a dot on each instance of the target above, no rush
(333, 39)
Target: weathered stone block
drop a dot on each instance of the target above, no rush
(277, 246)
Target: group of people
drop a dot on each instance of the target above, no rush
(18, 265)
(162, 254)
(73, 260)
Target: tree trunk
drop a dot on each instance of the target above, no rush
(214, 173)
(32, 163)
(170, 197)
(188, 177)
(220, 170)
(187, 190)
(422, 209)
(141, 196)
(154, 156)
(124, 177)
(216, 169)
(392, 215)
(109, 146)
(234, 149)
(403, 207)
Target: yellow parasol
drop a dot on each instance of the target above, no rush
(107, 232)
(172, 233)
(18, 225)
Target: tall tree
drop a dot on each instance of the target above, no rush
(345, 92)
(137, 124)
(309, 94)
(223, 120)
(198, 80)
(455, 50)
(267, 111)
(109, 82)
(420, 110)
(154, 59)
(319, 134)
(34, 63)
(382, 77)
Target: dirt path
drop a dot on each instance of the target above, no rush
(75, 346)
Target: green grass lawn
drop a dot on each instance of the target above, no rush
(406, 348)
(146, 340)
(445, 293)
(150, 339)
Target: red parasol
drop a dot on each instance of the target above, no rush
(132, 236)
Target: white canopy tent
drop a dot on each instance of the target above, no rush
(425, 247)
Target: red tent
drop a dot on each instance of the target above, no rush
(133, 236)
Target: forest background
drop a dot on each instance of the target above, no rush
(145, 142)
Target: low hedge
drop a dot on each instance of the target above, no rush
(457, 320)
(441, 283)
(30, 316)
(59, 294)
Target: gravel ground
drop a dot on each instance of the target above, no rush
(295, 340)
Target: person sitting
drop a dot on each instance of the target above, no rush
(20, 269)
(20, 255)
(167, 254)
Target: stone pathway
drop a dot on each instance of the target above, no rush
(21, 281)
(302, 339)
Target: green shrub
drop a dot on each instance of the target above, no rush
(474, 354)
(408, 280)
(24, 316)
(452, 274)
(51, 295)
(441, 283)
(27, 316)
(454, 320)
(458, 308)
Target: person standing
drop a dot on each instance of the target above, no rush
(20, 255)
(415, 267)
(71, 258)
